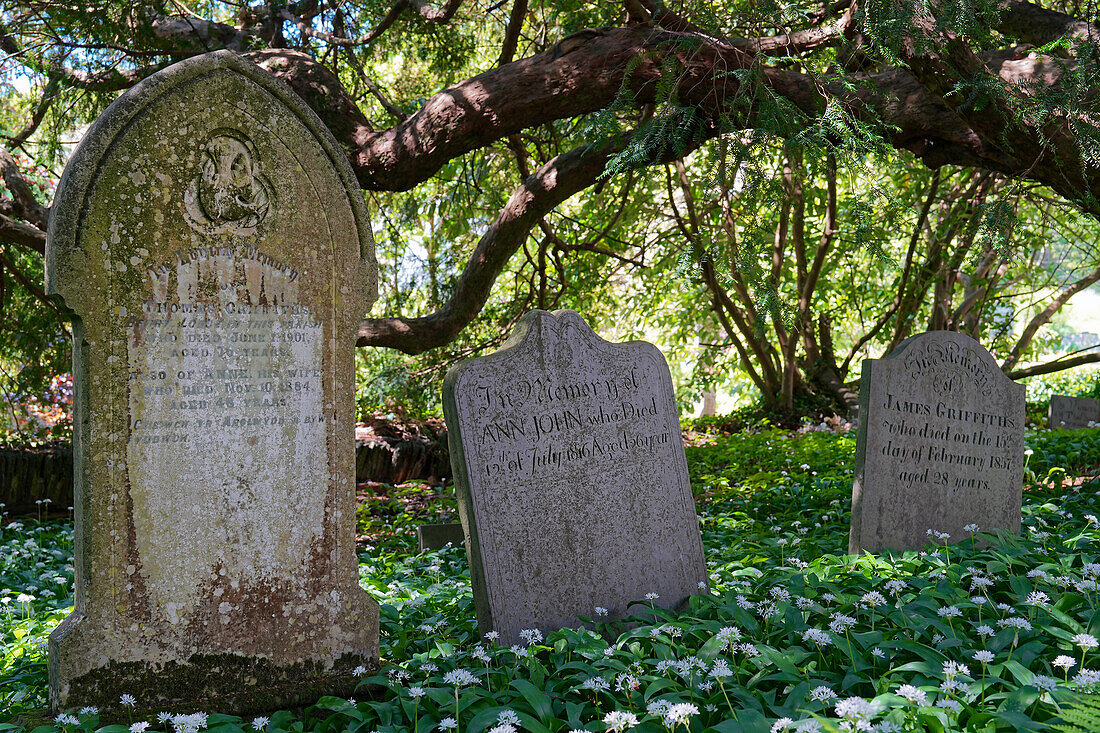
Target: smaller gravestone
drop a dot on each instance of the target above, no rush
(1073, 413)
(940, 445)
(438, 536)
(571, 478)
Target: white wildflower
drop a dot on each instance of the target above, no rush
(1085, 641)
(459, 678)
(1043, 683)
(913, 694)
(680, 713)
(619, 720)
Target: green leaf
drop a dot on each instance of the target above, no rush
(536, 698)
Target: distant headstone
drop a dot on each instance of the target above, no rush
(1073, 413)
(940, 445)
(214, 248)
(571, 477)
(438, 536)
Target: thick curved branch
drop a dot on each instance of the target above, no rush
(583, 73)
(549, 186)
(319, 88)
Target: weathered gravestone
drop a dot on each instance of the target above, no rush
(438, 536)
(214, 248)
(1073, 413)
(571, 477)
(940, 445)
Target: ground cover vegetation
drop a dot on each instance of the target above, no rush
(792, 634)
(772, 191)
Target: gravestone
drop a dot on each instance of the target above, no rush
(438, 536)
(571, 477)
(940, 445)
(212, 244)
(1073, 413)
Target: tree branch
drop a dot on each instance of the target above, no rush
(198, 35)
(582, 73)
(549, 186)
(1044, 316)
(23, 202)
(511, 33)
(49, 93)
(23, 234)
(1051, 367)
(423, 9)
(1033, 24)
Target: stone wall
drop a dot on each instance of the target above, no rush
(30, 474)
(386, 452)
(393, 452)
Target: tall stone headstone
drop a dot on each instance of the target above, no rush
(1073, 413)
(571, 478)
(940, 445)
(212, 244)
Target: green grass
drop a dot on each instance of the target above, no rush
(791, 627)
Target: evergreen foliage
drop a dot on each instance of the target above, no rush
(1080, 715)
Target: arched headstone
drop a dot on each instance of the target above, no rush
(940, 447)
(572, 481)
(211, 241)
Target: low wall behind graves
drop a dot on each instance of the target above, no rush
(386, 451)
(31, 474)
(393, 451)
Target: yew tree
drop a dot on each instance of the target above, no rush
(537, 102)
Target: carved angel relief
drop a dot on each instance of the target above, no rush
(230, 193)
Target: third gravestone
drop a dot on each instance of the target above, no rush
(571, 476)
(940, 445)
(1073, 413)
(213, 246)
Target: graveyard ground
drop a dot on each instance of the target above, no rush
(794, 635)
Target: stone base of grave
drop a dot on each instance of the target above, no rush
(223, 683)
(210, 683)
